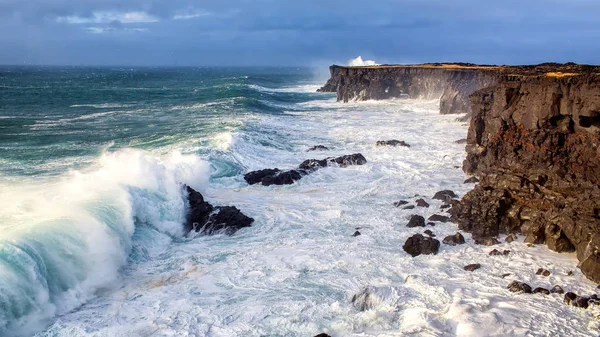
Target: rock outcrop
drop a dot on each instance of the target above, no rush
(202, 217)
(534, 144)
(451, 83)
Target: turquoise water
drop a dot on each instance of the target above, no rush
(91, 164)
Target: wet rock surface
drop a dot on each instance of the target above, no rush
(453, 240)
(204, 218)
(438, 218)
(416, 221)
(533, 141)
(419, 244)
(472, 267)
(318, 148)
(519, 287)
(392, 142)
(421, 203)
(268, 177)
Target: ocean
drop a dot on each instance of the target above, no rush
(92, 164)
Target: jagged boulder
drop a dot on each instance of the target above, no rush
(419, 244)
(453, 240)
(256, 177)
(204, 218)
(416, 221)
(318, 148)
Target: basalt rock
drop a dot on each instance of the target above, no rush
(422, 203)
(540, 290)
(445, 195)
(268, 177)
(557, 290)
(543, 272)
(534, 141)
(416, 221)
(472, 180)
(453, 240)
(451, 83)
(318, 148)
(204, 218)
(517, 287)
(227, 220)
(419, 244)
(392, 142)
(438, 218)
(400, 203)
(472, 267)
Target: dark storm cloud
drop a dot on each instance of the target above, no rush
(181, 32)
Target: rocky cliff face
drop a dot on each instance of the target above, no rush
(452, 84)
(534, 143)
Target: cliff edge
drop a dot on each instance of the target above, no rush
(534, 143)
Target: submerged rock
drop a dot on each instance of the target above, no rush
(517, 286)
(409, 207)
(392, 142)
(416, 221)
(472, 267)
(419, 244)
(429, 232)
(370, 297)
(453, 240)
(486, 241)
(557, 290)
(318, 148)
(357, 233)
(400, 203)
(445, 195)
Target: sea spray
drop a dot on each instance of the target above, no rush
(68, 238)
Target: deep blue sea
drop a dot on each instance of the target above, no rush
(92, 164)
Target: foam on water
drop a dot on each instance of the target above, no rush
(295, 271)
(66, 239)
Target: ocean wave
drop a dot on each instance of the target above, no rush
(62, 241)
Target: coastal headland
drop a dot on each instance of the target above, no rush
(533, 143)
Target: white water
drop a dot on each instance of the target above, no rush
(295, 271)
(67, 239)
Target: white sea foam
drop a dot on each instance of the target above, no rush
(295, 271)
(359, 62)
(63, 240)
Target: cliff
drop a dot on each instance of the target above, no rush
(451, 83)
(534, 143)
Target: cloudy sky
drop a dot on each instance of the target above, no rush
(297, 32)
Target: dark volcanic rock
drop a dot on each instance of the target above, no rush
(445, 195)
(429, 232)
(322, 335)
(256, 177)
(202, 217)
(570, 298)
(496, 252)
(439, 218)
(311, 164)
(409, 207)
(357, 233)
(227, 221)
(367, 299)
(416, 221)
(486, 241)
(472, 180)
(199, 211)
(539, 290)
(422, 203)
(419, 244)
(517, 286)
(318, 148)
(445, 206)
(557, 290)
(543, 272)
(511, 237)
(533, 141)
(283, 178)
(453, 240)
(400, 203)
(472, 267)
(392, 143)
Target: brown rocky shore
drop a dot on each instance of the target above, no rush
(533, 142)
